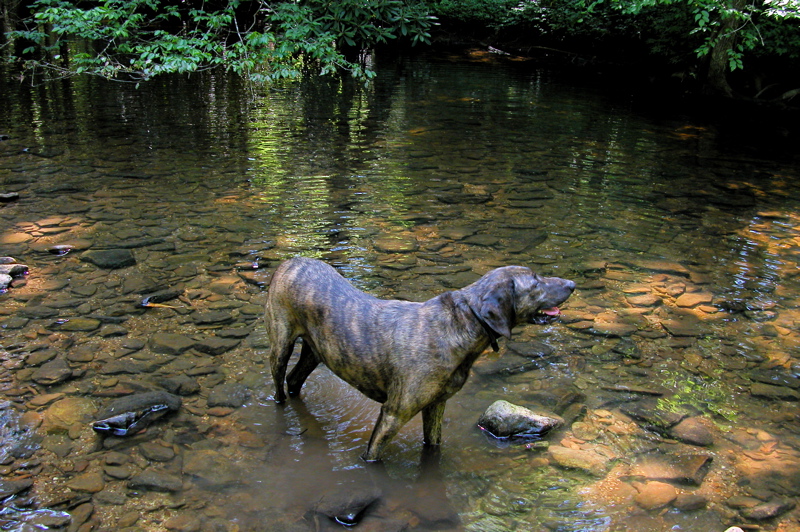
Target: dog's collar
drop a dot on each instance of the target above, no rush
(489, 331)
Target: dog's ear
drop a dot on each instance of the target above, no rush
(497, 307)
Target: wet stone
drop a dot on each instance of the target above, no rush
(693, 299)
(348, 507)
(587, 461)
(768, 510)
(613, 329)
(776, 377)
(37, 311)
(655, 495)
(63, 414)
(12, 487)
(156, 452)
(212, 345)
(211, 469)
(213, 317)
(170, 343)
(152, 480)
(78, 325)
(183, 523)
(232, 395)
(644, 300)
(688, 469)
(778, 393)
(52, 372)
(506, 420)
(110, 259)
(693, 431)
(689, 502)
(396, 243)
(89, 482)
(117, 472)
(180, 385)
(683, 327)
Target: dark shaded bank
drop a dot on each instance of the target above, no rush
(638, 86)
(653, 54)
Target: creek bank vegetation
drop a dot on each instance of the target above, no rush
(719, 47)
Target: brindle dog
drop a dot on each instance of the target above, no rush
(409, 356)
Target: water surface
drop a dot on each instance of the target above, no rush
(683, 242)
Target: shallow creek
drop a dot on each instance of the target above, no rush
(675, 364)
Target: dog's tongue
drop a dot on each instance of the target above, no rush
(552, 311)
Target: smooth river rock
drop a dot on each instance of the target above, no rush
(506, 420)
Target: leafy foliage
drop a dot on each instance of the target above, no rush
(138, 39)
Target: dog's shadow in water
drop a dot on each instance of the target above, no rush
(406, 493)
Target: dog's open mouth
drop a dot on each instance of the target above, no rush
(546, 315)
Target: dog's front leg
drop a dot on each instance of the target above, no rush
(432, 416)
(386, 428)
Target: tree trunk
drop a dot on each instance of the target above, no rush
(718, 66)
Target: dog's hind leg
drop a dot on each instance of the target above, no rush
(432, 416)
(281, 345)
(300, 372)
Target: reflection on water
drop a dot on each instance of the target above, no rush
(675, 364)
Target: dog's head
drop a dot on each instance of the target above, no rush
(513, 295)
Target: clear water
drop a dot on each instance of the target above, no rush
(681, 234)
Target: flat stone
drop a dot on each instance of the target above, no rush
(213, 317)
(52, 372)
(683, 327)
(211, 469)
(768, 510)
(587, 461)
(644, 300)
(170, 343)
(613, 329)
(687, 469)
(779, 393)
(655, 495)
(89, 482)
(12, 487)
(661, 266)
(212, 345)
(151, 480)
(232, 395)
(396, 243)
(37, 311)
(689, 502)
(156, 452)
(110, 259)
(693, 299)
(693, 431)
(183, 523)
(78, 324)
(61, 415)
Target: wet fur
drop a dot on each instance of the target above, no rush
(410, 357)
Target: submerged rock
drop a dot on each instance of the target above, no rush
(110, 259)
(506, 420)
(347, 507)
(587, 461)
(130, 414)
